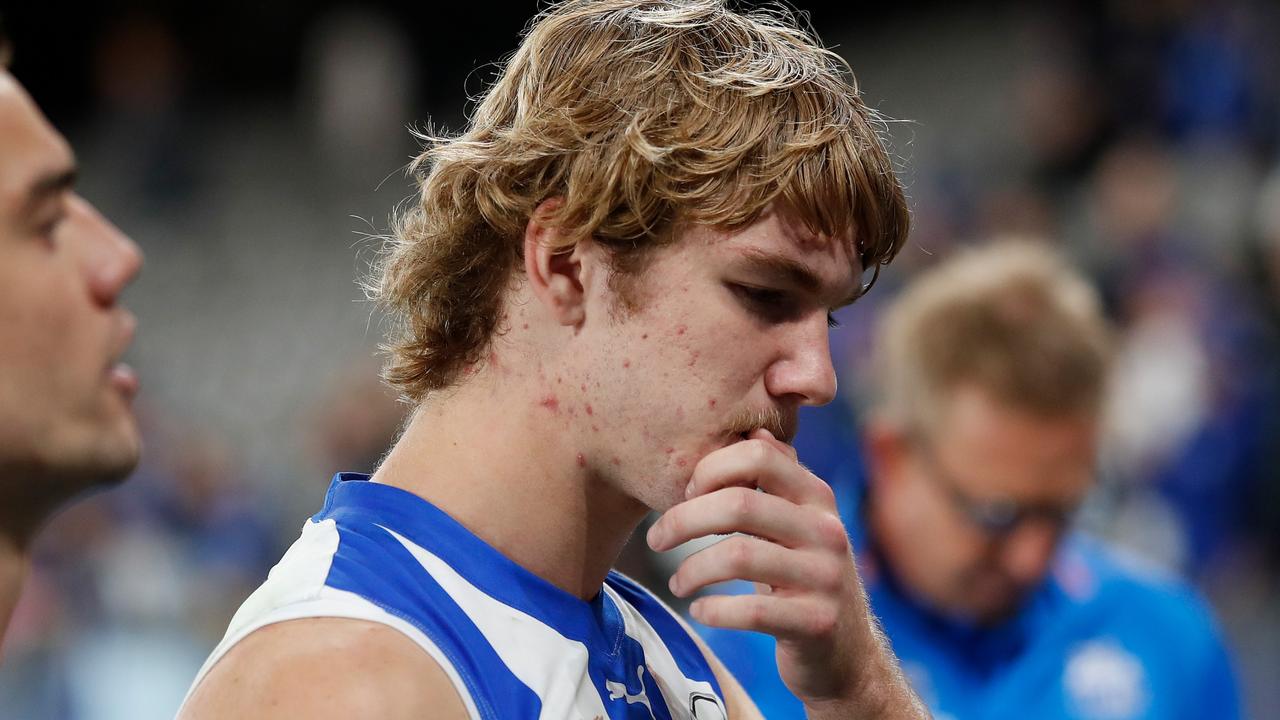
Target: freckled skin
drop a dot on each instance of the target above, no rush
(644, 395)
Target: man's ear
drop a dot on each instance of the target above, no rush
(887, 449)
(554, 273)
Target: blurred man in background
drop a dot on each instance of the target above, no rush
(991, 374)
(613, 296)
(65, 418)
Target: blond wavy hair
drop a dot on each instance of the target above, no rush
(1010, 317)
(637, 114)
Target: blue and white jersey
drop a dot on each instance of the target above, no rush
(514, 645)
(1100, 639)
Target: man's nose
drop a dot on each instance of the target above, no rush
(804, 372)
(111, 259)
(1029, 549)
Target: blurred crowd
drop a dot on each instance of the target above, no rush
(1143, 137)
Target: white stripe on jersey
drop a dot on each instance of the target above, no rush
(522, 642)
(295, 590)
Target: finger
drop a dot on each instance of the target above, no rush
(767, 436)
(758, 463)
(799, 618)
(752, 559)
(739, 510)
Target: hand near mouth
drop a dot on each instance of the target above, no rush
(788, 539)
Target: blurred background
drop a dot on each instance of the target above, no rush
(256, 150)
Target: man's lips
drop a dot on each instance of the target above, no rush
(124, 379)
(121, 375)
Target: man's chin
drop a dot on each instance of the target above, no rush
(106, 463)
(996, 610)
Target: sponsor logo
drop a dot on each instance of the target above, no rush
(705, 707)
(1104, 681)
(618, 691)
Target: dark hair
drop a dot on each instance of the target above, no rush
(6, 48)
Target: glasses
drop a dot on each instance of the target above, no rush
(997, 517)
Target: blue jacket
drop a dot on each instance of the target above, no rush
(1101, 639)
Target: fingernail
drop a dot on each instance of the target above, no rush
(688, 491)
(674, 585)
(653, 536)
(695, 609)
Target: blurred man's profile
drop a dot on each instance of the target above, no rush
(991, 372)
(65, 419)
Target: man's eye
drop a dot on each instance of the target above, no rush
(48, 232)
(772, 305)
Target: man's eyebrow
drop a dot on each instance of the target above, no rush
(50, 185)
(792, 272)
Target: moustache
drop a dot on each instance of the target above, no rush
(782, 425)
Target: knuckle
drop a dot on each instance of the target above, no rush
(739, 551)
(832, 532)
(823, 622)
(755, 613)
(826, 494)
(743, 504)
(830, 576)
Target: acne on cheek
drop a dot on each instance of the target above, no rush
(550, 402)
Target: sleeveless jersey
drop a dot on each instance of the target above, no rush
(514, 645)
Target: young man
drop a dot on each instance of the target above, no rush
(65, 418)
(612, 296)
(992, 372)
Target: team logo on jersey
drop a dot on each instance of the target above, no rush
(1105, 682)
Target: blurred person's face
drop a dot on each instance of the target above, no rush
(723, 330)
(65, 417)
(968, 519)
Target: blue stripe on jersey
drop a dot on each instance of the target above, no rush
(351, 501)
(393, 584)
(688, 656)
(366, 554)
